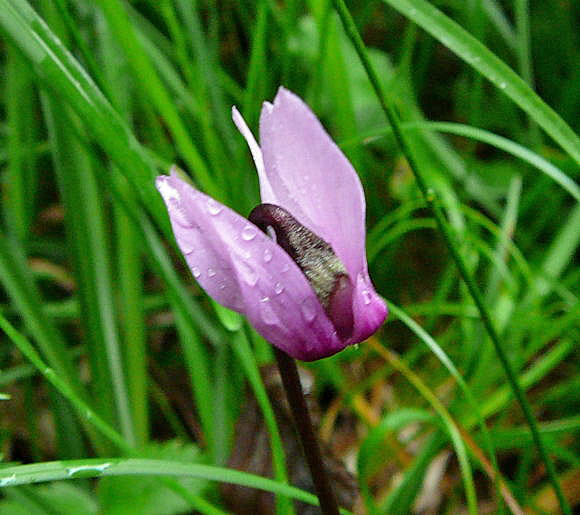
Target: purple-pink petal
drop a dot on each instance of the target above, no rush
(313, 179)
(243, 269)
(369, 309)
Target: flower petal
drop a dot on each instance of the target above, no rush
(250, 273)
(312, 178)
(369, 310)
(266, 192)
(203, 253)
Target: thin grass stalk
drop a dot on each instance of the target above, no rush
(89, 416)
(432, 201)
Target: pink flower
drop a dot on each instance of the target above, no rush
(306, 289)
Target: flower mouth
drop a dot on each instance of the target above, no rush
(317, 260)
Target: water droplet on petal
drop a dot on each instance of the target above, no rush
(278, 288)
(211, 272)
(185, 246)
(248, 274)
(267, 313)
(309, 309)
(214, 207)
(196, 272)
(248, 233)
(285, 268)
(267, 255)
(366, 297)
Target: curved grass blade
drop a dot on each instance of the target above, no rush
(441, 355)
(478, 56)
(507, 145)
(75, 469)
(446, 418)
(87, 414)
(374, 440)
(452, 243)
(60, 72)
(86, 232)
(500, 142)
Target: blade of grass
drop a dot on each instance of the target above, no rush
(450, 366)
(88, 415)
(73, 469)
(450, 240)
(60, 72)
(55, 379)
(129, 262)
(477, 55)
(86, 223)
(20, 179)
(505, 144)
(446, 418)
(18, 284)
(122, 27)
(243, 351)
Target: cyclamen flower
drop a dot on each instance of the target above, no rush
(304, 286)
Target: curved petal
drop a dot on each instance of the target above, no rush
(312, 178)
(243, 269)
(266, 192)
(369, 310)
(202, 251)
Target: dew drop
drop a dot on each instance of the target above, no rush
(278, 288)
(267, 313)
(249, 275)
(211, 272)
(8, 480)
(214, 207)
(502, 85)
(185, 246)
(196, 272)
(248, 233)
(267, 255)
(366, 297)
(87, 470)
(285, 268)
(309, 309)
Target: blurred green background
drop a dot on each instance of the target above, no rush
(111, 354)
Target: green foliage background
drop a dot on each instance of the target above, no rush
(113, 362)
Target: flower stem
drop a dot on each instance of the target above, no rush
(295, 395)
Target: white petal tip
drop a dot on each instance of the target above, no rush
(166, 189)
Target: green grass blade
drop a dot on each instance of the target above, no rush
(507, 145)
(20, 179)
(60, 72)
(18, 284)
(86, 224)
(122, 27)
(54, 378)
(74, 469)
(247, 360)
(447, 421)
(450, 238)
(475, 53)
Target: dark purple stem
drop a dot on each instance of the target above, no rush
(295, 395)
